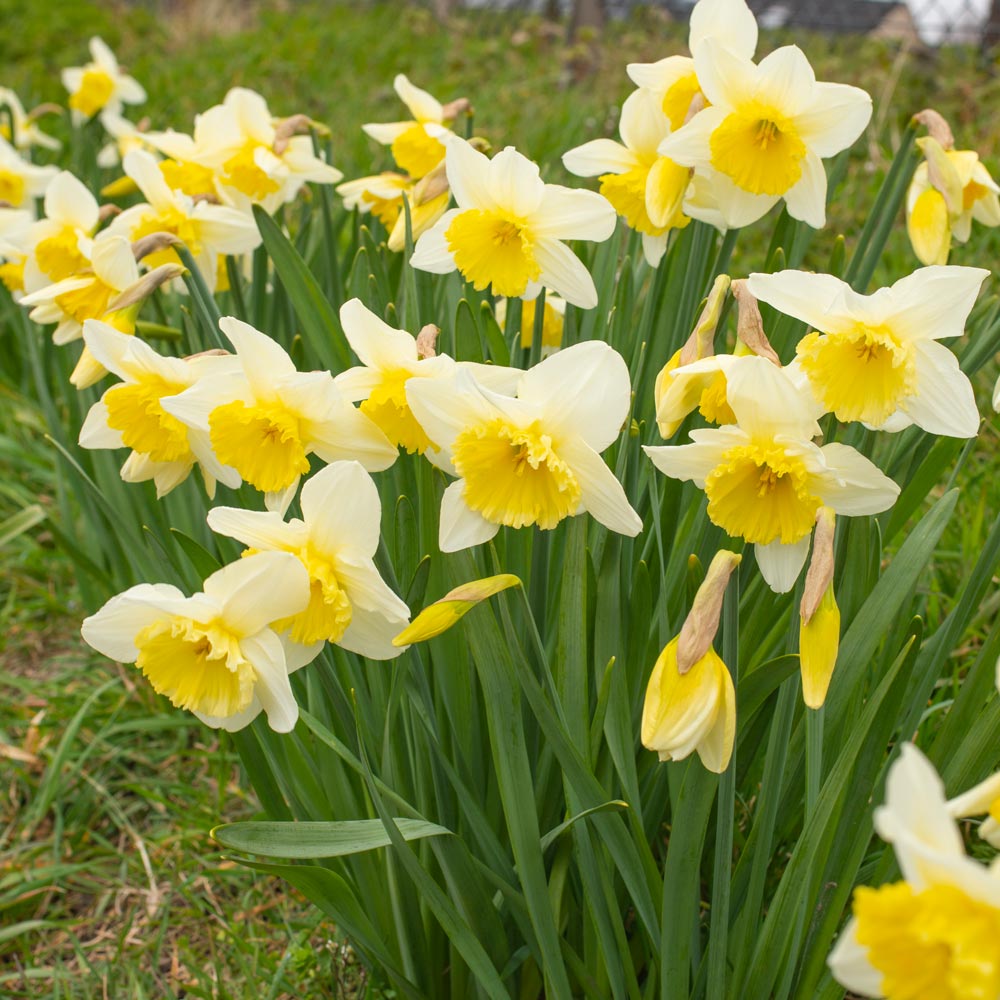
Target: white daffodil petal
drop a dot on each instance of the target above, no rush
(112, 630)
(264, 530)
(341, 507)
(273, 689)
(780, 564)
(432, 252)
(688, 461)
(570, 214)
(689, 145)
(944, 402)
(849, 964)
(259, 590)
(730, 22)
(461, 527)
(805, 296)
(934, 302)
(376, 344)
(806, 199)
(602, 495)
(371, 635)
(599, 156)
(422, 105)
(855, 486)
(643, 124)
(468, 173)
(565, 273)
(263, 359)
(95, 432)
(834, 118)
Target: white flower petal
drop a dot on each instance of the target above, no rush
(573, 214)
(806, 199)
(643, 124)
(69, 201)
(377, 344)
(690, 461)
(602, 495)
(95, 432)
(729, 22)
(811, 298)
(726, 78)
(422, 105)
(780, 564)
(515, 184)
(944, 402)
(768, 402)
(854, 486)
(786, 79)
(112, 630)
(599, 156)
(258, 590)
(468, 175)
(114, 262)
(444, 407)
(849, 964)
(371, 635)
(934, 302)
(565, 273)
(834, 118)
(461, 527)
(431, 252)
(257, 529)
(273, 688)
(689, 145)
(263, 359)
(342, 510)
(661, 75)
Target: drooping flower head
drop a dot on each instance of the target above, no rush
(875, 358)
(507, 229)
(764, 477)
(213, 653)
(937, 932)
(22, 132)
(21, 182)
(335, 540)
(267, 419)
(530, 459)
(645, 188)
(100, 84)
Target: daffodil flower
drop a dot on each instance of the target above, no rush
(254, 161)
(764, 477)
(765, 134)
(60, 243)
(268, 419)
(214, 653)
(937, 932)
(15, 224)
(875, 358)
(389, 359)
(24, 133)
(125, 136)
(646, 189)
(336, 539)
(674, 79)
(22, 182)
(130, 414)
(100, 84)
(418, 145)
(532, 459)
(949, 189)
(508, 227)
(207, 230)
(984, 798)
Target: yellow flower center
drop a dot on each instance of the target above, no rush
(761, 493)
(89, 302)
(627, 194)
(416, 152)
(170, 220)
(197, 666)
(513, 476)
(863, 374)
(759, 149)
(191, 178)
(329, 610)
(972, 192)
(95, 91)
(388, 408)
(241, 172)
(489, 248)
(552, 325)
(262, 441)
(386, 210)
(11, 188)
(12, 275)
(677, 100)
(134, 409)
(714, 404)
(937, 944)
(59, 256)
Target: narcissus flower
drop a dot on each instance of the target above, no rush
(22, 182)
(553, 320)
(213, 653)
(937, 932)
(983, 799)
(15, 224)
(130, 414)
(766, 132)
(455, 605)
(100, 84)
(949, 189)
(875, 358)
(268, 419)
(645, 188)
(207, 230)
(765, 478)
(349, 603)
(508, 228)
(390, 358)
(25, 132)
(417, 145)
(690, 698)
(674, 80)
(532, 459)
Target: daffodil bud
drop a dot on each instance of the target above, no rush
(702, 622)
(750, 326)
(819, 629)
(442, 614)
(943, 173)
(141, 290)
(153, 243)
(701, 343)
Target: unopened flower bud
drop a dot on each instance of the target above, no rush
(750, 326)
(702, 622)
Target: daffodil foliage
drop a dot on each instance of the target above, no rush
(566, 582)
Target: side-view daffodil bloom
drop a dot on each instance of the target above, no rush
(60, 243)
(15, 224)
(936, 933)
(508, 227)
(766, 132)
(349, 602)
(268, 419)
(875, 358)
(21, 182)
(130, 414)
(983, 799)
(207, 230)
(645, 188)
(390, 358)
(214, 653)
(553, 320)
(949, 189)
(764, 477)
(125, 136)
(532, 459)
(417, 145)
(674, 79)
(690, 698)
(23, 132)
(100, 84)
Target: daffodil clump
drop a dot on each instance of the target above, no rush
(530, 523)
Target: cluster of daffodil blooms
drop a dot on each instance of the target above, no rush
(387, 446)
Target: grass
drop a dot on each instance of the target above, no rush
(109, 883)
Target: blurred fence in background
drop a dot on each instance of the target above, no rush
(929, 22)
